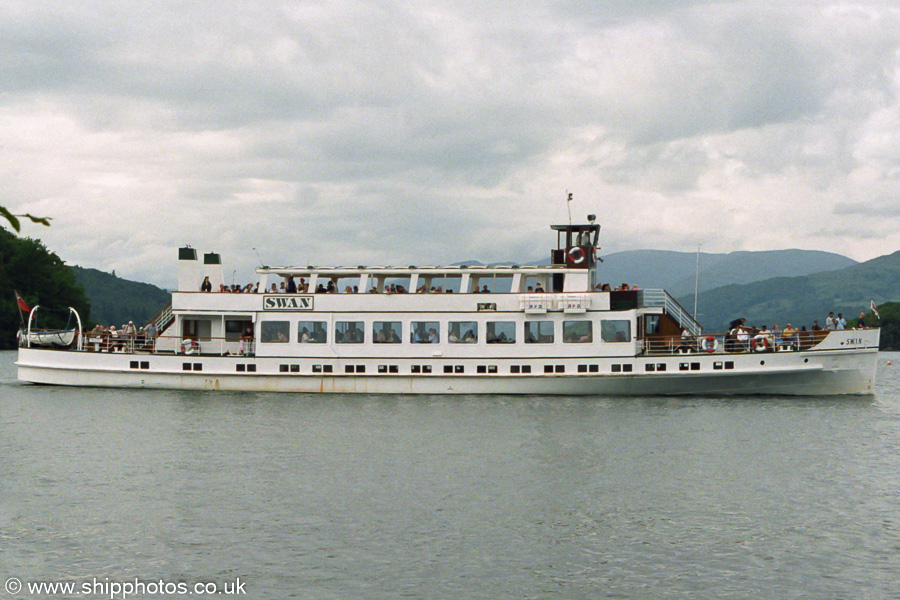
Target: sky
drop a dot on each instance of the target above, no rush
(428, 132)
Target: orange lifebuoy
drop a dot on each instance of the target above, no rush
(576, 255)
(189, 346)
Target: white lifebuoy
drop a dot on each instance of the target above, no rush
(576, 255)
(709, 344)
(189, 346)
(760, 343)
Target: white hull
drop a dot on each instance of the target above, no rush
(797, 373)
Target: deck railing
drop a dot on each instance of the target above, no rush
(675, 310)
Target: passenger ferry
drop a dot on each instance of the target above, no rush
(507, 329)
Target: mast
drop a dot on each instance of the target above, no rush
(697, 283)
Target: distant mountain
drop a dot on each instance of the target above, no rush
(115, 301)
(800, 300)
(676, 271)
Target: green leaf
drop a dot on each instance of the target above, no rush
(10, 217)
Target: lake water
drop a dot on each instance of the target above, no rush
(342, 497)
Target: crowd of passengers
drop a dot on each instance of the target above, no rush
(290, 286)
(744, 338)
(127, 338)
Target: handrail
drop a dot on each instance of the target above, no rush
(660, 297)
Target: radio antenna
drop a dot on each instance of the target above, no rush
(569, 205)
(260, 260)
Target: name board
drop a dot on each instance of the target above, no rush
(282, 302)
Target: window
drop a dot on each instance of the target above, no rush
(234, 328)
(312, 332)
(386, 332)
(615, 331)
(425, 332)
(501, 332)
(349, 332)
(462, 332)
(577, 332)
(538, 332)
(274, 332)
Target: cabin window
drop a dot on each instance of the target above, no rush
(578, 332)
(501, 332)
(425, 332)
(462, 332)
(615, 330)
(274, 332)
(349, 332)
(386, 332)
(312, 332)
(538, 332)
(198, 329)
(234, 329)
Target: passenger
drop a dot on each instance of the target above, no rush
(374, 290)
(861, 321)
(777, 339)
(529, 290)
(433, 290)
(332, 288)
(830, 325)
(395, 339)
(538, 289)
(348, 290)
(790, 336)
(282, 288)
(743, 338)
(355, 289)
(303, 286)
(737, 323)
(206, 286)
(291, 285)
(222, 288)
(840, 323)
(469, 337)
(433, 336)
(249, 289)
(320, 289)
(440, 290)
(485, 290)
(273, 289)
(304, 336)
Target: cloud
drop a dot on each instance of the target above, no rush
(426, 132)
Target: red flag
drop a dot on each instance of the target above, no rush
(22, 306)
(874, 310)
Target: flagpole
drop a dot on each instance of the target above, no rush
(19, 307)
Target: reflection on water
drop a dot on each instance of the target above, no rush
(473, 497)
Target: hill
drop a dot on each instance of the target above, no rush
(115, 301)
(800, 300)
(676, 271)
